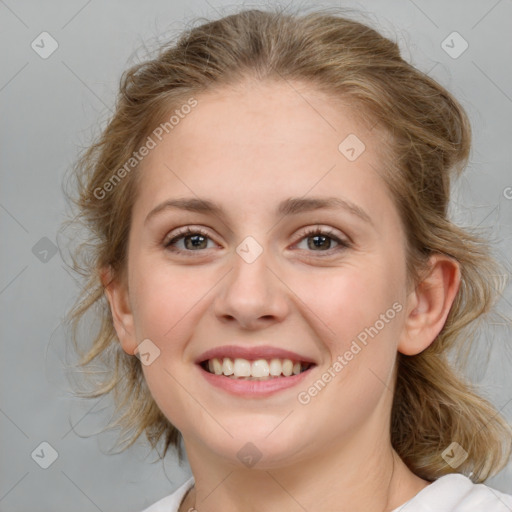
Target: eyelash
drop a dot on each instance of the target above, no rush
(342, 244)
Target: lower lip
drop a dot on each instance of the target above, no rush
(253, 388)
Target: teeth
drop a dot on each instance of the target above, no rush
(215, 366)
(275, 367)
(242, 368)
(228, 367)
(260, 369)
(287, 367)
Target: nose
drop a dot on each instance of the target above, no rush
(253, 295)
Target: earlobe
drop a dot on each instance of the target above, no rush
(117, 295)
(429, 305)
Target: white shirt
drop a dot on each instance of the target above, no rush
(450, 493)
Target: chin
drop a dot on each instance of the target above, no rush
(256, 450)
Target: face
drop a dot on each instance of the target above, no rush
(327, 283)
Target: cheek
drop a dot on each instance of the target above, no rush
(167, 298)
(353, 298)
(170, 302)
(363, 311)
(359, 312)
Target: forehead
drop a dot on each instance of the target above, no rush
(254, 140)
(273, 116)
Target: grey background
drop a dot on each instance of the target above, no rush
(49, 110)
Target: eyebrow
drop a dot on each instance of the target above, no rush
(290, 206)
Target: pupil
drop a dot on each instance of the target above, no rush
(195, 239)
(316, 238)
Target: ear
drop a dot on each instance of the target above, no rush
(429, 304)
(117, 296)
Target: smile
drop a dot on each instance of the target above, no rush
(259, 369)
(259, 378)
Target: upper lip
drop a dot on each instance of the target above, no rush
(252, 353)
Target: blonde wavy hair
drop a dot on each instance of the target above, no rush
(429, 143)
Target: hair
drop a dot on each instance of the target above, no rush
(428, 143)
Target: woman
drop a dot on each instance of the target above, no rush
(268, 219)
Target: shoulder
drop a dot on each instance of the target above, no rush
(171, 502)
(457, 493)
(450, 493)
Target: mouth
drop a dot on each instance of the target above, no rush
(253, 372)
(256, 369)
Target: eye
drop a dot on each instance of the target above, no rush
(194, 239)
(320, 240)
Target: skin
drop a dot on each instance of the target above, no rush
(248, 148)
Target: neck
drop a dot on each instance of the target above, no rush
(348, 478)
